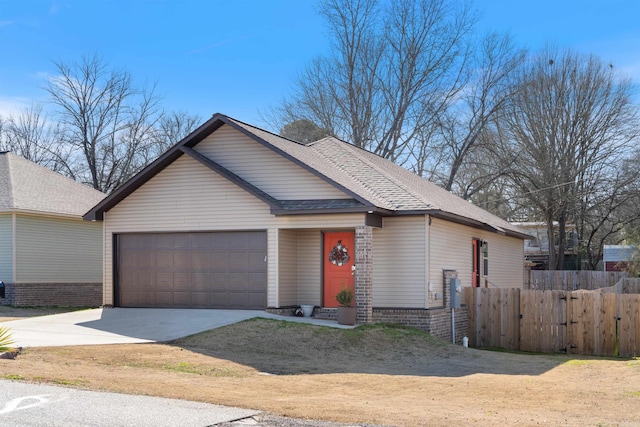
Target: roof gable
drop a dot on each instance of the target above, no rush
(29, 187)
(375, 184)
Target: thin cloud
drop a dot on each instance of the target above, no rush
(10, 106)
(6, 23)
(216, 45)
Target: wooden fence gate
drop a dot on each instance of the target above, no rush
(588, 323)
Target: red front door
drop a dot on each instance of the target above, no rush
(338, 259)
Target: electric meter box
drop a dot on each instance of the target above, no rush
(456, 293)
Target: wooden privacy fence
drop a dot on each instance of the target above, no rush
(565, 280)
(588, 323)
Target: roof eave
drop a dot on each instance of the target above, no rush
(312, 211)
(474, 223)
(97, 212)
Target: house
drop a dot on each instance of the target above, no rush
(48, 254)
(536, 249)
(618, 257)
(234, 216)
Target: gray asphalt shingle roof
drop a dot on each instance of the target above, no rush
(379, 181)
(373, 183)
(27, 186)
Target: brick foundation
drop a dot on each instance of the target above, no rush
(53, 294)
(436, 322)
(282, 311)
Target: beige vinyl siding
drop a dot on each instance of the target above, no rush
(6, 248)
(451, 249)
(399, 257)
(50, 250)
(288, 267)
(188, 196)
(267, 170)
(506, 260)
(310, 267)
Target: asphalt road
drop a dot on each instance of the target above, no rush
(35, 405)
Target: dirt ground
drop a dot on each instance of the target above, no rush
(375, 374)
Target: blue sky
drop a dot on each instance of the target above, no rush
(239, 57)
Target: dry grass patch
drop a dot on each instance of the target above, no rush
(378, 374)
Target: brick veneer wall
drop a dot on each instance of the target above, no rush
(436, 322)
(53, 294)
(363, 274)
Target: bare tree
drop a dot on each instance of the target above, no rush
(107, 122)
(396, 66)
(30, 135)
(568, 123)
(171, 128)
(608, 214)
(467, 128)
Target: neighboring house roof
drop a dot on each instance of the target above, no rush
(613, 253)
(374, 183)
(28, 187)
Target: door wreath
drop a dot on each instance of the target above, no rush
(339, 255)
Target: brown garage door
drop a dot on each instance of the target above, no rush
(192, 270)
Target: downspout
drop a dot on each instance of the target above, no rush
(427, 264)
(13, 249)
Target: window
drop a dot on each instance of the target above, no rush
(485, 257)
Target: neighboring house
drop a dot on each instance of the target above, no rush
(234, 216)
(48, 254)
(618, 257)
(536, 249)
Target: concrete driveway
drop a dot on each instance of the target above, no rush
(130, 325)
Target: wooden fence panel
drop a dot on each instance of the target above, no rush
(610, 331)
(493, 317)
(589, 323)
(629, 325)
(569, 280)
(542, 321)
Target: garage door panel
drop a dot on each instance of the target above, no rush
(256, 261)
(143, 279)
(219, 261)
(200, 299)
(181, 280)
(162, 299)
(219, 281)
(180, 240)
(257, 241)
(256, 300)
(160, 241)
(200, 281)
(238, 261)
(256, 281)
(219, 241)
(163, 279)
(200, 261)
(164, 259)
(144, 259)
(200, 241)
(209, 269)
(181, 299)
(182, 260)
(240, 241)
(219, 299)
(238, 300)
(237, 281)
